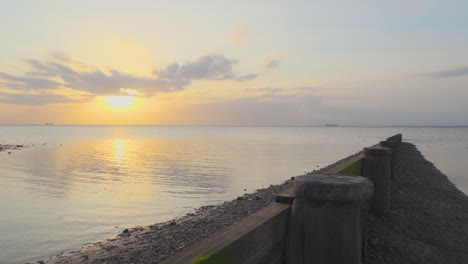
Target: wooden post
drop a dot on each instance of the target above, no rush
(392, 145)
(328, 219)
(377, 169)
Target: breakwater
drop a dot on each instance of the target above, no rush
(426, 223)
(322, 218)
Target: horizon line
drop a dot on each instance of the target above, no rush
(213, 125)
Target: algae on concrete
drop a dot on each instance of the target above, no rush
(211, 259)
(354, 168)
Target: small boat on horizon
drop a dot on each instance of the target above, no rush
(331, 125)
(48, 124)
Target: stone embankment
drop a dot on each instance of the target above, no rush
(428, 217)
(426, 223)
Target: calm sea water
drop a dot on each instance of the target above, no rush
(79, 184)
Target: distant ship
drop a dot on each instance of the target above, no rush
(331, 125)
(48, 124)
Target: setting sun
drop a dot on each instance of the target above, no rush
(118, 102)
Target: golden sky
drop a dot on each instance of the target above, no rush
(234, 63)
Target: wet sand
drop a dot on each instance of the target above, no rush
(427, 223)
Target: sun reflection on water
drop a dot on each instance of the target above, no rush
(119, 145)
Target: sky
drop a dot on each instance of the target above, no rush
(247, 63)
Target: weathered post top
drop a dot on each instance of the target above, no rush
(393, 145)
(396, 138)
(377, 151)
(332, 188)
(327, 219)
(388, 144)
(377, 168)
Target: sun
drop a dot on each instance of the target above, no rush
(118, 102)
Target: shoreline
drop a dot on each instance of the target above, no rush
(407, 235)
(163, 240)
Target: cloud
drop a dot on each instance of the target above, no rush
(26, 83)
(450, 73)
(261, 106)
(240, 35)
(266, 89)
(278, 90)
(211, 67)
(62, 70)
(37, 99)
(261, 110)
(271, 64)
(306, 109)
(307, 88)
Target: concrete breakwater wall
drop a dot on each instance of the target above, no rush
(322, 218)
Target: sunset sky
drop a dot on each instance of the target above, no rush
(234, 62)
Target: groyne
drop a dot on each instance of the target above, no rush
(424, 222)
(322, 218)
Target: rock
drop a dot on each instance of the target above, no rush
(257, 198)
(125, 231)
(240, 198)
(375, 241)
(173, 223)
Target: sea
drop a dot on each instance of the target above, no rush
(73, 185)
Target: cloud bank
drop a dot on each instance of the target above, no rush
(38, 99)
(61, 70)
(271, 64)
(450, 73)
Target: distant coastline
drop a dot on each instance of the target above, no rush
(10, 147)
(195, 125)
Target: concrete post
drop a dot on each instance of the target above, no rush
(377, 169)
(328, 219)
(397, 139)
(393, 146)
